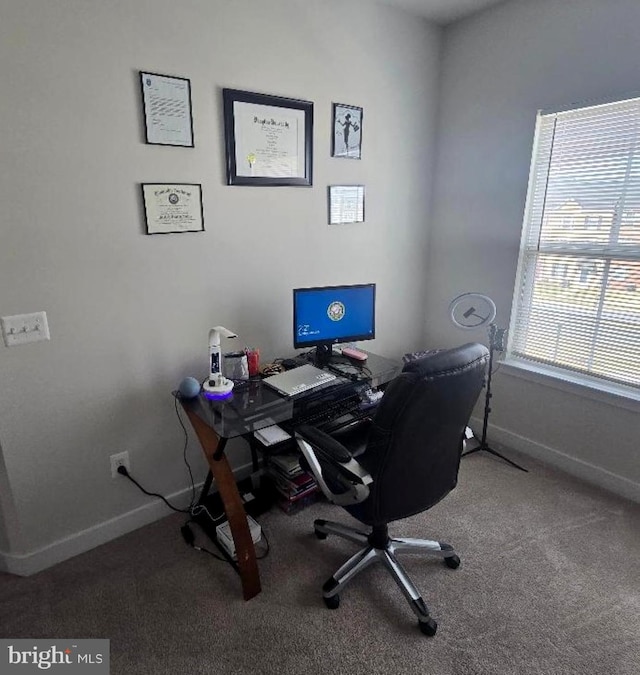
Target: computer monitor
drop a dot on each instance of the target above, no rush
(329, 315)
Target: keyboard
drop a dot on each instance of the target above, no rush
(332, 415)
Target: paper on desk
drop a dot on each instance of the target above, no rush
(271, 435)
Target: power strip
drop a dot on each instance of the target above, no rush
(225, 538)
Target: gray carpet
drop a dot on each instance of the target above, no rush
(549, 583)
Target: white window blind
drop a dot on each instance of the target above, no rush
(577, 296)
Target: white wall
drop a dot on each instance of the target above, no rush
(498, 69)
(129, 313)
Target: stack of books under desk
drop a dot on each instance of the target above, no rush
(296, 488)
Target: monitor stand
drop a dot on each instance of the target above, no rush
(322, 356)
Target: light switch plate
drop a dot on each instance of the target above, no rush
(20, 329)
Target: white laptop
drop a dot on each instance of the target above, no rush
(298, 380)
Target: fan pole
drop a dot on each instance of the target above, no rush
(496, 337)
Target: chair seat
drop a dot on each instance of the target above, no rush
(354, 437)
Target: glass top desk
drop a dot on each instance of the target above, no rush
(254, 405)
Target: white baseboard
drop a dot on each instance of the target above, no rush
(35, 561)
(80, 542)
(576, 467)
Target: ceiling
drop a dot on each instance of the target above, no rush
(442, 11)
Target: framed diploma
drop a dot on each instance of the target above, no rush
(346, 204)
(167, 109)
(268, 139)
(173, 207)
(346, 141)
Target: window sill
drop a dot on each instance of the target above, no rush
(610, 394)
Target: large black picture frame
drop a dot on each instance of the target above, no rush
(268, 139)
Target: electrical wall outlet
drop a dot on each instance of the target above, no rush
(23, 328)
(119, 459)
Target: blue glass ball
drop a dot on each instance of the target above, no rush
(189, 387)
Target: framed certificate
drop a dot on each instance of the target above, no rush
(167, 109)
(173, 207)
(268, 139)
(346, 204)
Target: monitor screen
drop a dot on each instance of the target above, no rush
(333, 314)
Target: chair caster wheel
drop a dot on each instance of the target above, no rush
(428, 627)
(320, 535)
(452, 562)
(333, 602)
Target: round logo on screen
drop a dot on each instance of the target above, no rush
(336, 310)
(173, 198)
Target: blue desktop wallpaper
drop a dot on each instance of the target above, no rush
(334, 314)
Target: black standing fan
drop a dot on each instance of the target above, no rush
(470, 311)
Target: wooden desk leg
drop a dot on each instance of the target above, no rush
(233, 506)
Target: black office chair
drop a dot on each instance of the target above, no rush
(410, 462)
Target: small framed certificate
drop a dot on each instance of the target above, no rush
(346, 204)
(171, 208)
(167, 109)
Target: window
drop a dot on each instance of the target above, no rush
(577, 296)
(593, 221)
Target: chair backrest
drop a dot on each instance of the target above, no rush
(415, 443)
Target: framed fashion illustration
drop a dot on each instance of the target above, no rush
(346, 141)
